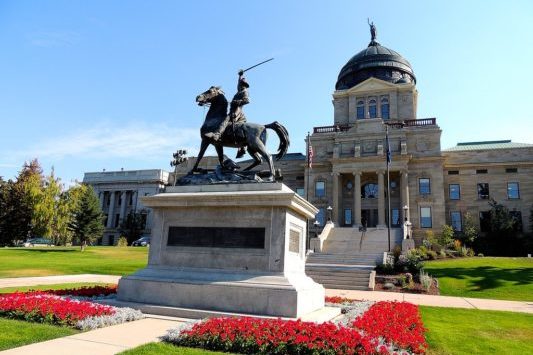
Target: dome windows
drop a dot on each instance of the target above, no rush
(384, 108)
(360, 109)
(373, 108)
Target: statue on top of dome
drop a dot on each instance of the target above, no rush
(373, 31)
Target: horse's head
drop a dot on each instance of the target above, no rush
(209, 95)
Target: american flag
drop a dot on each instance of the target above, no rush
(310, 156)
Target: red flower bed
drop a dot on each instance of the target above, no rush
(338, 299)
(275, 336)
(44, 308)
(386, 327)
(84, 291)
(396, 322)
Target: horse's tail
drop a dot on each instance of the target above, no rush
(283, 138)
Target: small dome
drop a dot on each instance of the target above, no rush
(376, 61)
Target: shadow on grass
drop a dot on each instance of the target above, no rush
(487, 277)
(51, 250)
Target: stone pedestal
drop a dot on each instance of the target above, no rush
(231, 248)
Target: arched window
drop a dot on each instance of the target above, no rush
(372, 109)
(360, 109)
(369, 190)
(385, 108)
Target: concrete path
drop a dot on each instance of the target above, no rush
(103, 341)
(59, 279)
(438, 301)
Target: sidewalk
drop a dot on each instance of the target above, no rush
(437, 301)
(59, 279)
(103, 341)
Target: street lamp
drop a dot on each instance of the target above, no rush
(405, 209)
(329, 213)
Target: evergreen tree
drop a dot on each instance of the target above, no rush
(87, 218)
(132, 227)
(3, 211)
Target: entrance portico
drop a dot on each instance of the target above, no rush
(359, 197)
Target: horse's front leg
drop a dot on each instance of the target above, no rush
(220, 152)
(203, 148)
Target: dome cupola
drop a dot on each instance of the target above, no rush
(375, 61)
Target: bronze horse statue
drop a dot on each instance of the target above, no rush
(252, 136)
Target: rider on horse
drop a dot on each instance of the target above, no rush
(236, 114)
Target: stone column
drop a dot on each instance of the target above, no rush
(335, 212)
(404, 191)
(101, 196)
(357, 199)
(134, 200)
(123, 205)
(381, 199)
(111, 211)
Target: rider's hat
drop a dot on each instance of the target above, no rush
(243, 82)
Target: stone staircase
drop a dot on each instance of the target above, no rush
(348, 257)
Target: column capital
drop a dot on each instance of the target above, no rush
(380, 172)
(335, 173)
(404, 172)
(357, 173)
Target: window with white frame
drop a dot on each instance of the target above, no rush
(360, 109)
(456, 219)
(320, 188)
(384, 108)
(425, 217)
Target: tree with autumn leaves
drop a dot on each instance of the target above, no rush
(34, 205)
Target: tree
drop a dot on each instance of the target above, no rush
(3, 211)
(132, 226)
(446, 236)
(19, 198)
(470, 229)
(87, 218)
(502, 223)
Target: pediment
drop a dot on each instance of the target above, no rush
(371, 84)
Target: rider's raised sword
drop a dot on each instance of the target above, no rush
(253, 66)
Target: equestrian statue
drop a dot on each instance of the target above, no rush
(223, 129)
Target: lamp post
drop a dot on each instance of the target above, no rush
(330, 209)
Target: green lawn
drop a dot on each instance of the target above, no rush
(167, 349)
(472, 331)
(49, 287)
(14, 333)
(19, 262)
(487, 277)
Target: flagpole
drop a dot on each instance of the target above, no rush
(388, 159)
(307, 188)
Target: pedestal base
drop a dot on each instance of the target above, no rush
(210, 289)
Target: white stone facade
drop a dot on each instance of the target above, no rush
(120, 193)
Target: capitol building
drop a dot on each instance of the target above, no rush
(375, 93)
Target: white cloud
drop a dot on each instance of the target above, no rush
(106, 141)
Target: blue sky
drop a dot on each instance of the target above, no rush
(87, 85)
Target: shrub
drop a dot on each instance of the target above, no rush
(397, 251)
(480, 255)
(122, 242)
(446, 236)
(385, 269)
(432, 255)
(442, 253)
(470, 229)
(409, 263)
(425, 280)
(470, 252)
(457, 245)
(463, 251)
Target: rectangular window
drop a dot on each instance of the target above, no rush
(321, 216)
(425, 217)
(484, 221)
(300, 178)
(511, 170)
(300, 191)
(481, 171)
(395, 217)
(455, 192)
(131, 198)
(424, 186)
(513, 191)
(348, 216)
(456, 221)
(453, 172)
(372, 111)
(320, 189)
(385, 111)
(360, 112)
(483, 191)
